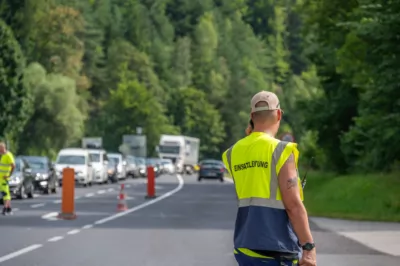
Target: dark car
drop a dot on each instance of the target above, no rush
(112, 171)
(211, 169)
(46, 179)
(22, 181)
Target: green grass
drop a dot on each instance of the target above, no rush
(358, 197)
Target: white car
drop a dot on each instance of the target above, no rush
(99, 161)
(168, 166)
(119, 161)
(79, 160)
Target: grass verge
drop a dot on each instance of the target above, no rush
(358, 197)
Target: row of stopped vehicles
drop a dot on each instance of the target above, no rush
(92, 164)
(31, 174)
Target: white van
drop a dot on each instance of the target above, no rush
(79, 160)
(100, 165)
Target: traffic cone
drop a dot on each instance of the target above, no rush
(122, 206)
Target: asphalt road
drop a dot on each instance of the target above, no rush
(188, 224)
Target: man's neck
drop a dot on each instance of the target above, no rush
(264, 130)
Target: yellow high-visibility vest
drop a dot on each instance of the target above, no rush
(262, 223)
(6, 161)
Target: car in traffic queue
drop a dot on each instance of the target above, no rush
(211, 169)
(99, 161)
(168, 166)
(132, 169)
(79, 160)
(112, 172)
(46, 179)
(22, 181)
(119, 160)
(153, 162)
(141, 165)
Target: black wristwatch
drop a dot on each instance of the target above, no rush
(308, 246)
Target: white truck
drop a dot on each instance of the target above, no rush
(182, 150)
(92, 143)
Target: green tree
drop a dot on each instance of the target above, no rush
(15, 97)
(57, 120)
(198, 118)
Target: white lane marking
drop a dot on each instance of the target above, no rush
(73, 232)
(89, 195)
(38, 205)
(102, 221)
(128, 185)
(52, 216)
(57, 201)
(110, 189)
(228, 179)
(87, 226)
(143, 205)
(101, 192)
(127, 198)
(55, 239)
(19, 252)
(36, 195)
(158, 187)
(77, 197)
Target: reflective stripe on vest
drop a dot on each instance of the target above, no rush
(262, 222)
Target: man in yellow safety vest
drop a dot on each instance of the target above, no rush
(271, 224)
(7, 165)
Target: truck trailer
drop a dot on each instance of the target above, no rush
(182, 150)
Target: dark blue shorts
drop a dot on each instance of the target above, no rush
(244, 260)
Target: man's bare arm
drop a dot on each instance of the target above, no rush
(12, 168)
(288, 184)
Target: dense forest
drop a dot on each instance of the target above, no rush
(74, 68)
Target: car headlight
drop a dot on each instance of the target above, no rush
(79, 173)
(15, 180)
(41, 176)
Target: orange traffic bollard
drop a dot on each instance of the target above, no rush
(68, 198)
(151, 190)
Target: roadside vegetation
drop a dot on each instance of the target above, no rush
(357, 197)
(105, 67)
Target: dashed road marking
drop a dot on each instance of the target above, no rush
(102, 221)
(57, 201)
(38, 205)
(88, 226)
(55, 239)
(73, 232)
(110, 189)
(20, 252)
(89, 195)
(52, 216)
(101, 192)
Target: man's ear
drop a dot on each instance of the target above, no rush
(279, 115)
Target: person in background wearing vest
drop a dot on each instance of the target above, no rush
(272, 224)
(7, 165)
